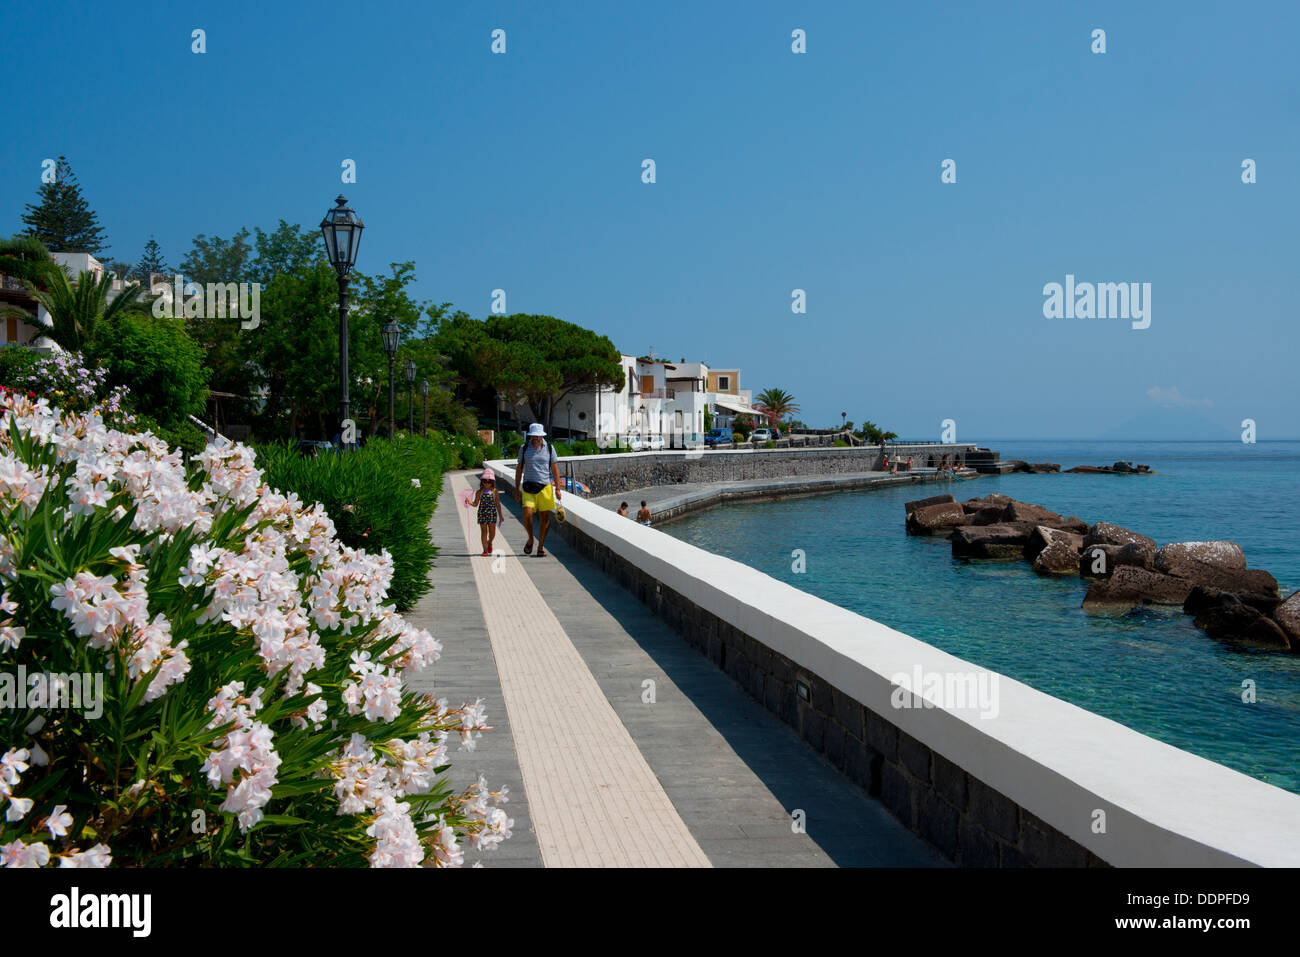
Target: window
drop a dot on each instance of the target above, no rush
(631, 380)
(724, 383)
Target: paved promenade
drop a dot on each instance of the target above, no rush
(603, 772)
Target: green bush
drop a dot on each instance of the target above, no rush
(840, 444)
(769, 444)
(158, 361)
(370, 495)
(737, 437)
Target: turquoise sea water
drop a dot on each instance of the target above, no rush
(1151, 670)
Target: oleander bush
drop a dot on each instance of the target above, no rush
(380, 496)
(252, 709)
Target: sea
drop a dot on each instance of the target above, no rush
(1151, 669)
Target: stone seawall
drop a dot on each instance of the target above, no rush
(1033, 780)
(615, 473)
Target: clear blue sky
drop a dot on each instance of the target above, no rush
(818, 171)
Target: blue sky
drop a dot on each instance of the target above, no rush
(775, 171)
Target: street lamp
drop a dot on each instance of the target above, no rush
(391, 337)
(409, 369)
(424, 391)
(342, 231)
(498, 435)
(568, 405)
(641, 422)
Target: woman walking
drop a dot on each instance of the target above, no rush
(537, 480)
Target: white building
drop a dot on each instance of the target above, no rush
(658, 401)
(17, 332)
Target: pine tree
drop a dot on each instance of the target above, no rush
(150, 261)
(63, 220)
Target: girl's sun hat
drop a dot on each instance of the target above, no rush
(488, 476)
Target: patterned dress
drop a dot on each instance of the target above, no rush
(487, 507)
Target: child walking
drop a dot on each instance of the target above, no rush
(489, 509)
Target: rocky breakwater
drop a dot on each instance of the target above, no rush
(1125, 569)
(1119, 468)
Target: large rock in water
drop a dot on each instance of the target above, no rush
(1106, 533)
(1044, 535)
(988, 501)
(1024, 512)
(1287, 615)
(1131, 586)
(985, 516)
(932, 500)
(1203, 598)
(1240, 581)
(1242, 624)
(1058, 558)
(929, 519)
(1221, 554)
(990, 541)
(1100, 561)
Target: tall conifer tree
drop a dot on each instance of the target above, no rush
(63, 220)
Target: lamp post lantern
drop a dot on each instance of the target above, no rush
(342, 228)
(409, 369)
(424, 391)
(391, 337)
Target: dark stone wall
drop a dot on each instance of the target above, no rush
(612, 474)
(965, 819)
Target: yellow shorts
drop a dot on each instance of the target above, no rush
(543, 501)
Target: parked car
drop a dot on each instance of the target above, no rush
(635, 443)
(655, 443)
(762, 435)
(717, 437)
(309, 448)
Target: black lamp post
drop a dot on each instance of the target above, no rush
(391, 337)
(498, 435)
(342, 231)
(568, 405)
(424, 391)
(409, 369)
(642, 422)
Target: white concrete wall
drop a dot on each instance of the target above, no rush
(1164, 807)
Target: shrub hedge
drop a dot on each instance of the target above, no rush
(371, 495)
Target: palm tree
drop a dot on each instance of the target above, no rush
(776, 404)
(74, 307)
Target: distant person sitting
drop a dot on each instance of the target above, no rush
(622, 510)
(643, 516)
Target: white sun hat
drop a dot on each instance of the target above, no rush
(536, 429)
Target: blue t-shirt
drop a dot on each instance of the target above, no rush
(537, 462)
